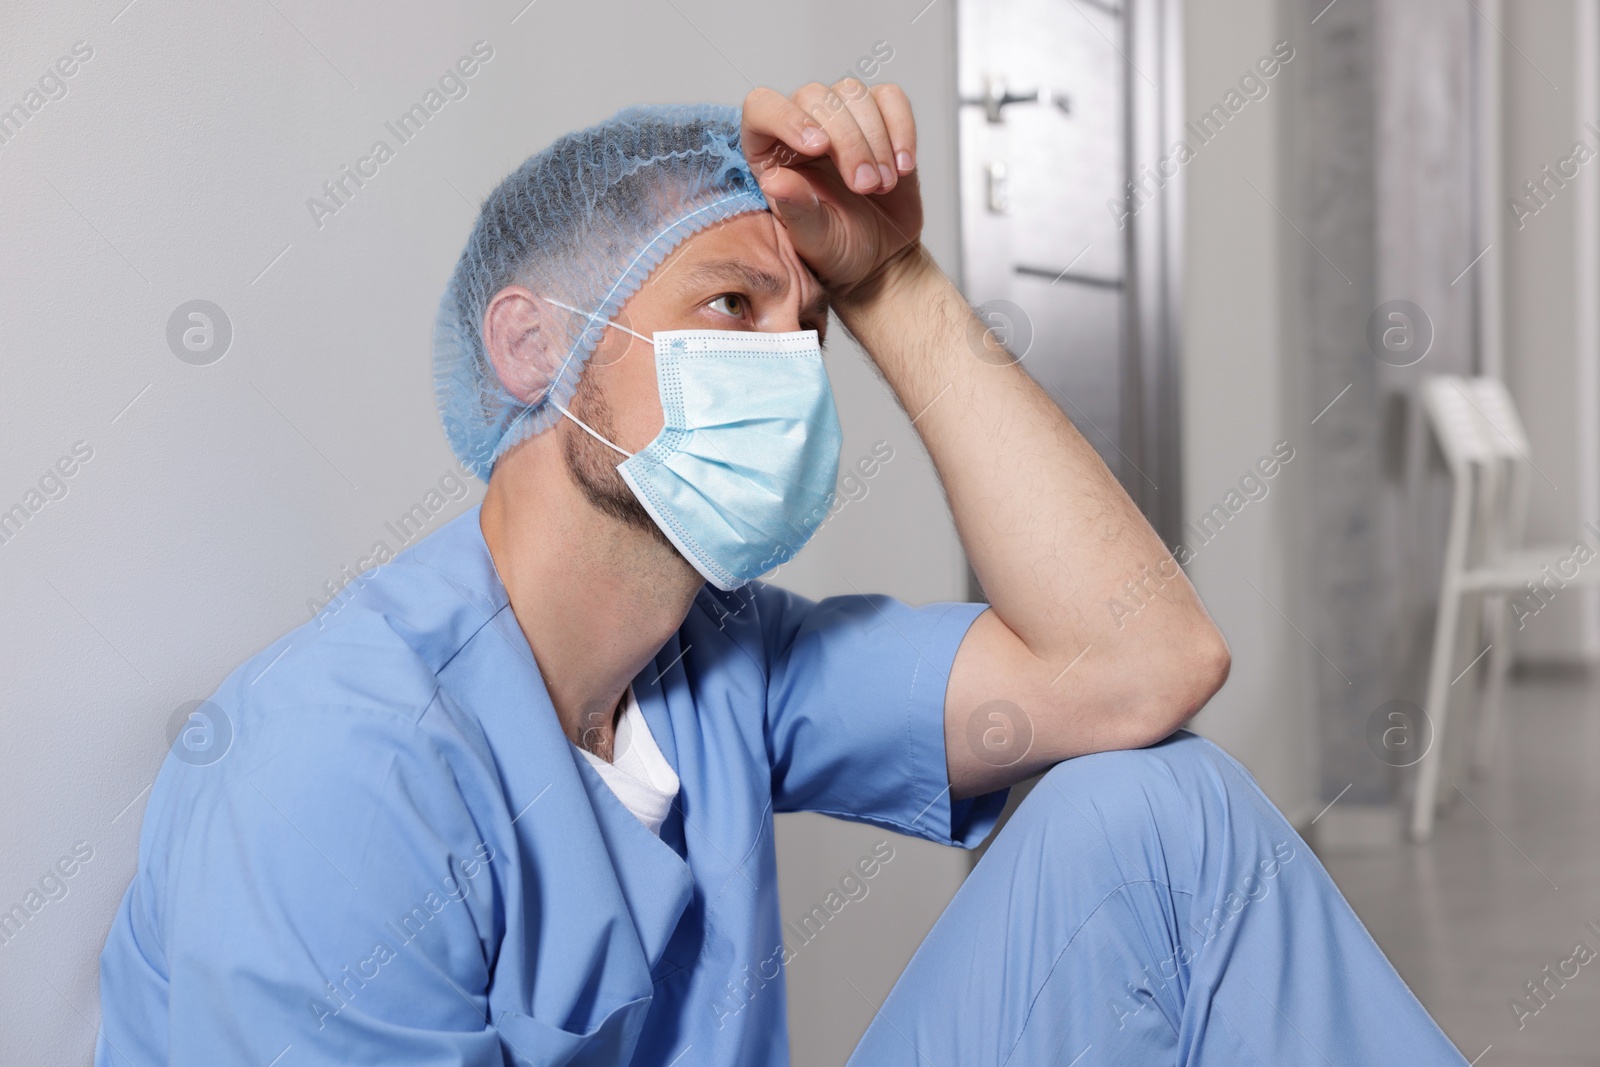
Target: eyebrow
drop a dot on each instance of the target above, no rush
(753, 278)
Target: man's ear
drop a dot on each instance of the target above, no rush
(520, 335)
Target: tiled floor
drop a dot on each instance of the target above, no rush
(1504, 889)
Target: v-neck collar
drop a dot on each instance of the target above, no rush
(605, 852)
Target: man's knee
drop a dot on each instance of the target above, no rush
(1161, 786)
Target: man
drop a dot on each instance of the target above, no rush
(513, 802)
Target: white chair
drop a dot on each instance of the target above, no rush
(1487, 452)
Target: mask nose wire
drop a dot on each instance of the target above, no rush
(583, 425)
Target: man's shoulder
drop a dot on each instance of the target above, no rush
(329, 733)
(380, 649)
(356, 679)
(382, 640)
(333, 710)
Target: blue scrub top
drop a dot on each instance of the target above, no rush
(385, 849)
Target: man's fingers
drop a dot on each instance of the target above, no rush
(868, 132)
(848, 146)
(895, 108)
(775, 131)
(864, 108)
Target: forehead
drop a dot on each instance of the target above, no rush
(754, 240)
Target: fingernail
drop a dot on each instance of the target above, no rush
(903, 160)
(812, 136)
(866, 177)
(886, 174)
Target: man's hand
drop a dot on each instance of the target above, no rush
(800, 148)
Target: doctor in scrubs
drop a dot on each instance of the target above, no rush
(511, 801)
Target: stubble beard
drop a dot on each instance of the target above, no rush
(593, 467)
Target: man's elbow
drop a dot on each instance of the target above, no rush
(1206, 662)
(1195, 668)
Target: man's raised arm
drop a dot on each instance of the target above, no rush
(1054, 541)
(1052, 536)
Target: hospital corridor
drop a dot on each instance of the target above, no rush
(943, 533)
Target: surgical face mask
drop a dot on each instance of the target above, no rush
(743, 470)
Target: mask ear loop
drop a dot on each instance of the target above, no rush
(585, 426)
(589, 429)
(591, 317)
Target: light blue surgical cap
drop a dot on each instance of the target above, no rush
(584, 222)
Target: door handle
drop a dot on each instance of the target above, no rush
(996, 97)
(997, 188)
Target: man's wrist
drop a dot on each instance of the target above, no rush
(896, 278)
(908, 320)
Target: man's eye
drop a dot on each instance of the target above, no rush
(739, 306)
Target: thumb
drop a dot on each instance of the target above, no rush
(795, 203)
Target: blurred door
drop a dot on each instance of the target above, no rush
(1064, 103)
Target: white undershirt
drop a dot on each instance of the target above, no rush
(639, 774)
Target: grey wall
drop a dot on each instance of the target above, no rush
(1242, 395)
(1543, 120)
(218, 499)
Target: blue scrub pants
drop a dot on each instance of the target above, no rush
(1150, 907)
